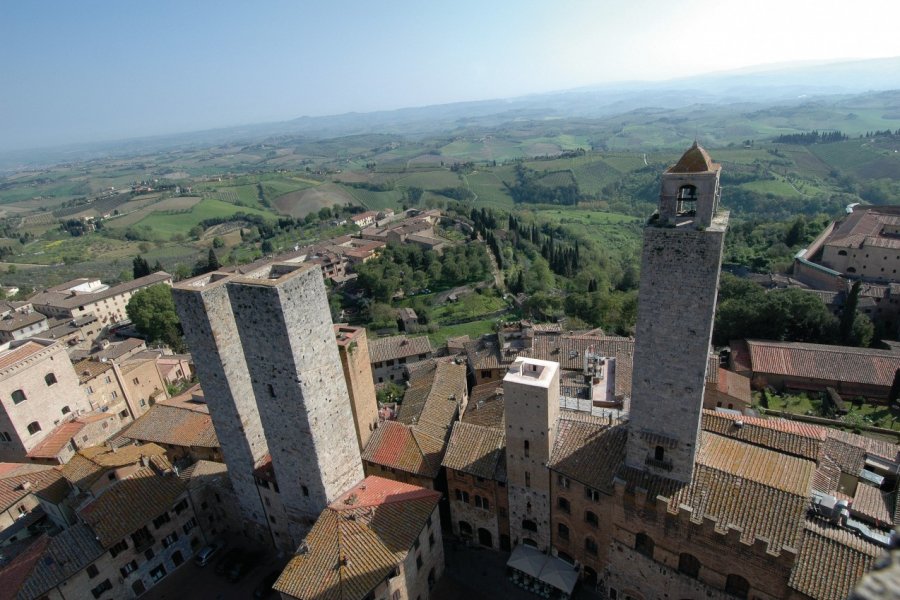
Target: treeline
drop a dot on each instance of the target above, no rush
(564, 259)
(812, 137)
(527, 189)
(385, 186)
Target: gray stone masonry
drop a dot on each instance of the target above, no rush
(676, 306)
(288, 339)
(531, 393)
(206, 317)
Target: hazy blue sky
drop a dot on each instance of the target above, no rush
(84, 70)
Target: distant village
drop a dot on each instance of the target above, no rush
(632, 467)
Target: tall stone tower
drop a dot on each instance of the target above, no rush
(204, 308)
(267, 358)
(353, 348)
(531, 399)
(680, 262)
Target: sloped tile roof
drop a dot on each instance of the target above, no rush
(171, 424)
(88, 369)
(131, 503)
(791, 437)
(823, 362)
(89, 464)
(830, 561)
(50, 446)
(15, 575)
(18, 483)
(475, 449)
(398, 346)
(695, 160)
(394, 445)
(486, 406)
(12, 356)
(67, 553)
(358, 540)
(588, 451)
(873, 503)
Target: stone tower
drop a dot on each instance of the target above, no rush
(680, 262)
(267, 358)
(531, 398)
(208, 323)
(353, 348)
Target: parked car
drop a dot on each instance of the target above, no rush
(264, 589)
(206, 554)
(224, 564)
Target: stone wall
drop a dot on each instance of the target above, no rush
(353, 348)
(676, 306)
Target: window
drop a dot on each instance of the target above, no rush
(563, 531)
(170, 539)
(686, 200)
(482, 502)
(527, 479)
(49, 379)
(66, 410)
(462, 496)
(161, 520)
(418, 561)
(92, 571)
(136, 381)
(122, 546)
(190, 524)
(305, 490)
(563, 505)
(590, 546)
(737, 586)
(431, 540)
(529, 525)
(114, 394)
(103, 587)
(688, 565)
(5, 437)
(180, 507)
(591, 494)
(851, 269)
(659, 453)
(643, 543)
(158, 573)
(149, 554)
(591, 519)
(416, 544)
(18, 397)
(526, 448)
(563, 481)
(128, 568)
(34, 427)
(271, 390)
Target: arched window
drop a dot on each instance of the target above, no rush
(34, 427)
(644, 544)
(851, 269)
(49, 378)
(687, 200)
(590, 546)
(527, 448)
(565, 557)
(842, 253)
(18, 397)
(591, 518)
(659, 453)
(688, 565)
(563, 505)
(563, 530)
(66, 410)
(737, 586)
(465, 529)
(529, 525)
(529, 542)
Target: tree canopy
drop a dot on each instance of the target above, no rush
(152, 310)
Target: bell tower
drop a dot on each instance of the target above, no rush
(680, 262)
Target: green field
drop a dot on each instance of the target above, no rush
(473, 330)
(167, 225)
(469, 306)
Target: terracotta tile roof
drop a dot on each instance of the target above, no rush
(569, 352)
(485, 353)
(394, 445)
(358, 540)
(588, 451)
(203, 472)
(486, 406)
(873, 503)
(131, 503)
(398, 346)
(64, 299)
(65, 554)
(791, 437)
(56, 440)
(117, 350)
(762, 492)
(695, 160)
(30, 479)
(19, 353)
(88, 369)
(175, 425)
(89, 464)
(830, 561)
(18, 320)
(871, 446)
(14, 575)
(476, 450)
(819, 361)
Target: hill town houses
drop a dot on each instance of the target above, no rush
(631, 466)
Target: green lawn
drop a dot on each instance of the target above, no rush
(469, 306)
(473, 330)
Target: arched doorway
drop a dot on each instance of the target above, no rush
(589, 578)
(465, 530)
(485, 538)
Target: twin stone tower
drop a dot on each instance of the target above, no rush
(265, 351)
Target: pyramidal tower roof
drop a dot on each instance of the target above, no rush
(695, 160)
